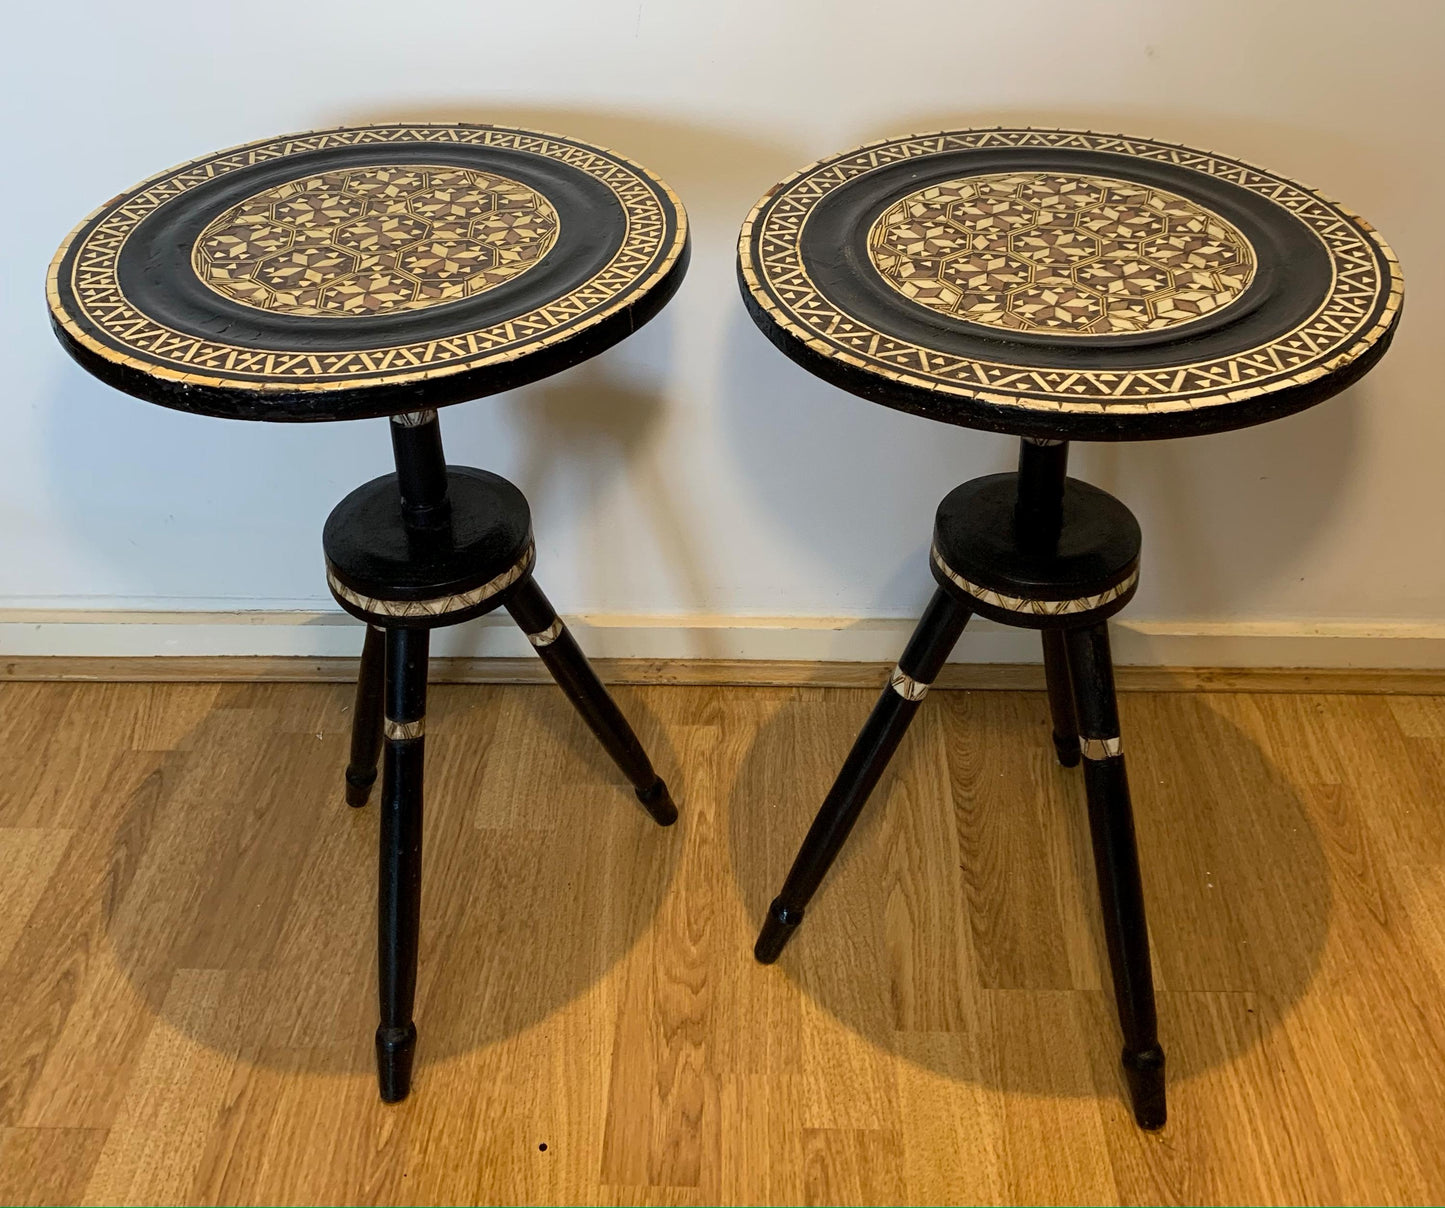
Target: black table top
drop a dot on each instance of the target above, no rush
(1067, 285)
(366, 271)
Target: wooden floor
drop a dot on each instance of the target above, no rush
(187, 991)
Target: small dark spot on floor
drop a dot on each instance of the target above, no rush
(542, 1148)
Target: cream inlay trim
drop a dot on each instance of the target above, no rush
(1060, 252)
(548, 635)
(1040, 608)
(1363, 304)
(644, 258)
(1101, 748)
(375, 239)
(439, 607)
(400, 731)
(906, 686)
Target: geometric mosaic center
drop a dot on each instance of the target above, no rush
(375, 240)
(1062, 253)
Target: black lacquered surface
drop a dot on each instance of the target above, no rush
(366, 317)
(371, 550)
(1098, 542)
(876, 269)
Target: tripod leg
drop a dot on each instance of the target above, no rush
(1116, 861)
(936, 635)
(366, 718)
(1061, 697)
(399, 872)
(574, 675)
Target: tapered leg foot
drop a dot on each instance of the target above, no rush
(936, 635)
(366, 718)
(1061, 698)
(657, 801)
(358, 788)
(1116, 864)
(395, 1051)
(1144, 1072)
(558, 649)
(777, 930)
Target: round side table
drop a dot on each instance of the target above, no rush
(387, 271)
(1056, 285)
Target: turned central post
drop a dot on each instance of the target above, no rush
(1039, 512)
(421, 469)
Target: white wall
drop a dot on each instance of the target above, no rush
(693, 470)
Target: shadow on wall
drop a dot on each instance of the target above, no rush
(854, 485)
(582, 435)
(1226, 517)
(717, 173)
(848, 488)
(188, 507)
(239, 507)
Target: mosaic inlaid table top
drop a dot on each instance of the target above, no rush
(1067, 284)
(366, 271)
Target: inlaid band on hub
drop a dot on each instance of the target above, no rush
(441, 606)
(1039, 608)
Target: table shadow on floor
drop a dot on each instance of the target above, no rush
(965, 902)
(540, 873)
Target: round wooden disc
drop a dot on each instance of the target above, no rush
(366, 271)
(1066, 284)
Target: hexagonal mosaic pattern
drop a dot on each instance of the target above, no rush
(375, 240)
(1063, 254)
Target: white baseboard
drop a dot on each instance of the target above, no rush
(146, 634)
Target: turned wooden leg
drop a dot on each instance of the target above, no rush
(399, 881)
(366, 718)
(936, 635)
(574, 675)
(1116, 861)
(1061, 697)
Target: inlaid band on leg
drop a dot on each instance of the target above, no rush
(1101, 748)
(906, 686)
(548, 635)
(415, 419)
(402, 731)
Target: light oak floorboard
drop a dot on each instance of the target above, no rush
(188, 990)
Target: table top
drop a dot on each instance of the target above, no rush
(365, 271)
(1066, 284)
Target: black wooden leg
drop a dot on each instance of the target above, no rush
(936, 635)
(573, 673)
(399, 883)
(1116, 861)
(366, 718)
(1061, 697)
